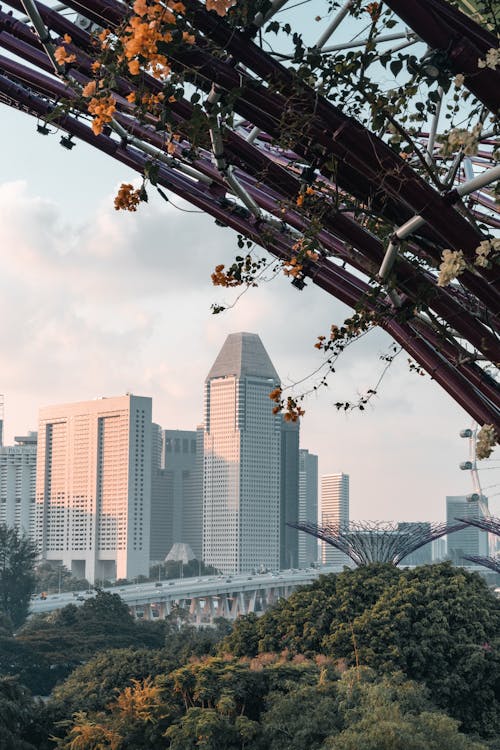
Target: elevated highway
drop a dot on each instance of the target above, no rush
(205, 598)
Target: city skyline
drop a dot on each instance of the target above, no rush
(94, 293)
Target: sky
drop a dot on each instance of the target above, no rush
(96, 302)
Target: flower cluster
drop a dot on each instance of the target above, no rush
(303, 194)
(127, 199)
(374, 10)
(221, 7)
(460, 138)
(486, 251)
(103, 109)
(452, 266)
(223, 278)
(292, 410)
(492, 59)
(486, 441)
(63, 57)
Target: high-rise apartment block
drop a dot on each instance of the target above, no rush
(242, 459)
(17, 484)
(335, 511)
(93, 489)
(471, 540)
(308, 506)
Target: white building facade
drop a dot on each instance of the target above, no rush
(241, 459)
(93, 489)
(17, 484)
(308, 506)
(335, 511)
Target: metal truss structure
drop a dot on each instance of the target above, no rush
(488, 523)
(368, 542)
(493, 563)
(251, 166)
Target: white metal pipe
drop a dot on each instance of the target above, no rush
(42, 31)
(260, 19)
(334, 24)
(433, 129)
(158, 154)
(253, 134)
(240, 191)
(487, 177)
(376, 40)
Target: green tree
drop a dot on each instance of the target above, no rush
(16, 715)
(437, 624)
(17, 578)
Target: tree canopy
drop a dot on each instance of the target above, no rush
(437, 624)
(17, 578)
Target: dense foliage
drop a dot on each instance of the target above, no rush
(370, 659)
(17, 579)
(437, 624)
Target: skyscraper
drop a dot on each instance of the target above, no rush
(242, 457)
(289, 505)
(471, 540)
(308, 506)
(17, 484)
(162, 501)
(183, 465)
(93, 487)
(334, 510)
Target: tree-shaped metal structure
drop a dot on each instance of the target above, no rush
(493, 563)
(486, 523)
(300, 152)
(368, 542)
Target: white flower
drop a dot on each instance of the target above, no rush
(486, 441)
(452, 266)
(492, 59)
(485, 252)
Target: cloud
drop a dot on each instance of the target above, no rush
(110, 302)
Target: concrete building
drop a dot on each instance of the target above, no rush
(471, 540)
(17, 484)
(289, 502)
(93, 489)
(308, 506)
(182, 460)
(242, 459)
(334, 510)
(162, 501)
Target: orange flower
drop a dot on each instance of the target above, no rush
(300, 200)
(140, 7)
(127, 199)
(131, 97)
(63, 57)
(89, 89)
(133, 67)
(95, 66)
(103, 109)
(67, 39)
(188, 38)
(221, 7)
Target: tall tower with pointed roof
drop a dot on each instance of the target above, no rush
(242, 461)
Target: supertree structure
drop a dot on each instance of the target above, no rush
(382, 195)
(367, 542)
(486, 523)
(493, 563)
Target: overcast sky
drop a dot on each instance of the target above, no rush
(96, 302)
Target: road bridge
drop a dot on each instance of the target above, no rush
(205, 598)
